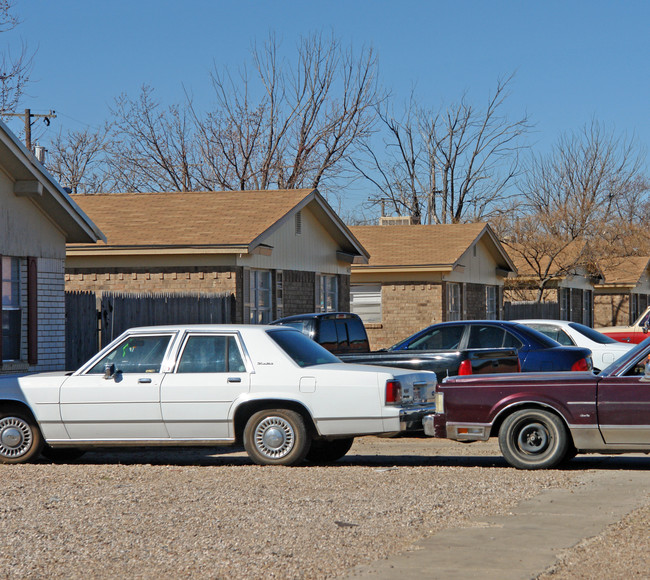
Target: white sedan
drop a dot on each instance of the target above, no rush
(269, 387)
(605, 350)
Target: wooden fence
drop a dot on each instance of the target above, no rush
(122, 311)
(81, 329)
(527, 310)
(89, 329)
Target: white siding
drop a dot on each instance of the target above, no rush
(313, 250)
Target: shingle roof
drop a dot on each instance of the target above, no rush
(626, 271)
(188, 219)
(417, 245)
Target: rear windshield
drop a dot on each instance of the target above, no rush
(303, 350)
(594, 335)
(536, 336)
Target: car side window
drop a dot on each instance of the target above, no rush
(136, 354)
(442, 338)
(511, 341)
(211, 354)
(486, 336)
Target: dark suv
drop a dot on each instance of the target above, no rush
(338, 332)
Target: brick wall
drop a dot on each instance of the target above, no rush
(205, 280)
(51, 315)
(299, 292)
(406, 308)
(476, 305)
(611, 310)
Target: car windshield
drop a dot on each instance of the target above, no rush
(592, 334)
(303, 350)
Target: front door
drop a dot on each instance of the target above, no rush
(123, 406)
(624, 410)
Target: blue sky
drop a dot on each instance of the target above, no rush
(573, 60)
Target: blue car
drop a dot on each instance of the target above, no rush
(537, 352)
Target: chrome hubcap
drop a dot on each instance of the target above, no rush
(533, 438)
(15, 437)
(274, 437)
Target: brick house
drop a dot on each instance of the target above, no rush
(277, 252)
(418, 275)
(624, 294)
(570, 291)
(37, 218)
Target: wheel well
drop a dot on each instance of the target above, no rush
(19, 405)
(247, 410)
(496, 426)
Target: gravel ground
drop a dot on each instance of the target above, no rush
(190, 512)
(621, 551)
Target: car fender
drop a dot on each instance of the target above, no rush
(269, 399)
(511, 403)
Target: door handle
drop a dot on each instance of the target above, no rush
(144, 380)
(234, 380)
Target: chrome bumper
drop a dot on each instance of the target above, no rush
(412, 419)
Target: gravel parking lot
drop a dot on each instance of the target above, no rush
(193, 512)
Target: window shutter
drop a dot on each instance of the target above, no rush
(32, 310)
(317, 300)
(247, 296)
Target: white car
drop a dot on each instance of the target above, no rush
(605, 350)
(272, 388)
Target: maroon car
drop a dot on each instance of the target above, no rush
(542, 419)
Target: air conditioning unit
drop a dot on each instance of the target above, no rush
(395, 221)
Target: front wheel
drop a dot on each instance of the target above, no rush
(323, 451)
(20, 437)
(276, 437)
(533, 439)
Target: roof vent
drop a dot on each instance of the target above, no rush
(395, 221)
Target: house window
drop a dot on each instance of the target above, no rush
(365, 300)
(260, 296)
(327, 293)
(491, 309)
(279, 294)
(11, 311)
(453, 301)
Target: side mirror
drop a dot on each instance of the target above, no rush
(109, 371)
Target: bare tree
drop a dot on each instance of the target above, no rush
(307, 117)
(78, 160)
(449, 166)
(152, 149)
(14, 69)
(574, 206)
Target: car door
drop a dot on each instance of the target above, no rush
(210, 374)
(125, 405)
(624, 408)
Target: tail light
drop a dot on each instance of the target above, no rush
(581, 365)
(518, 365)
(393, 392)
(465, 367)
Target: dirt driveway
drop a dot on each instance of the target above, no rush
(193, 512)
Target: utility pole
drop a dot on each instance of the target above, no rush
(28, 123)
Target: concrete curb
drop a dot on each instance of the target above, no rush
(525, 542)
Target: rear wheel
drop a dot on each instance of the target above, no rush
(533, 439)
(20, 437)
(276, 437)
(323, 451)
